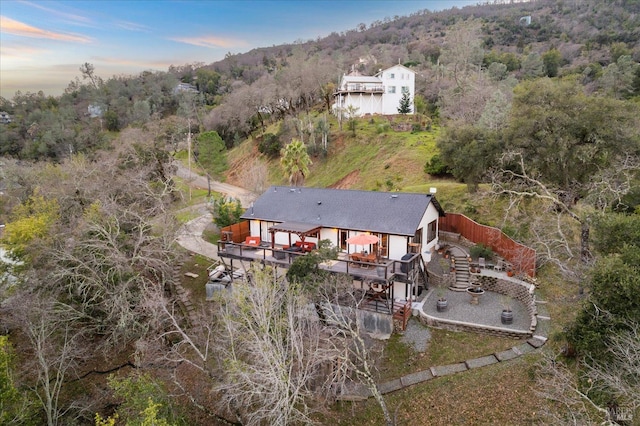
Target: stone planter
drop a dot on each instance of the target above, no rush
(475, 292)
(441, 305)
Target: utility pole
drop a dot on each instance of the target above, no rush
(189, 154)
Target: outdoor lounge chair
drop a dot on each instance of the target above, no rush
(252, 241)
(482, 263)
(500, 266)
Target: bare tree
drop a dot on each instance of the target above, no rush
(621, 376)
(274, 351)
(254, 176)
(570, 403)
(55, 347)
(265, 354)
(573, 397)
(88, 71)
(552, 233)
(338, 307)
(462, 51)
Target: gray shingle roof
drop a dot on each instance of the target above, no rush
(396, 213)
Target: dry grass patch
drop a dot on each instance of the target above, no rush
(445, 347)
(501, 393)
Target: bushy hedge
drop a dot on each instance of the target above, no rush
(480, 250)
(270, 145)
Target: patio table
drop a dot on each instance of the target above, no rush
(369, 259)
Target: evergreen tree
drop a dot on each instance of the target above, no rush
(405, 103)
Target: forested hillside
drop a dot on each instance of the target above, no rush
(532, 108)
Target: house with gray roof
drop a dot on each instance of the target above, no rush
(405, 224)
(398, 219)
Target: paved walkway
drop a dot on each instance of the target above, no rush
(486, 312)
(190, 234)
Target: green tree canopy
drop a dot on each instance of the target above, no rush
(552, 60)
(468, 152)
(31, 220)
(568, 137)
(212, 152)
(226, 211)
(613, 304)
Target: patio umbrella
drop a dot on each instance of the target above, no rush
(363, 240)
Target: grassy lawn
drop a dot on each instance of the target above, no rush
(384, 160)
(499, 394)
(445, 347)
(191, 196)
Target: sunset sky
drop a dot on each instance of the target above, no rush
(43, 43)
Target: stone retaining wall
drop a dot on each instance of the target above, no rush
(476, 328)
(521, 291)
(436, 279)
(455, 239)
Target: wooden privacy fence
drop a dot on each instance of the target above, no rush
(237, 232)
(522, 258)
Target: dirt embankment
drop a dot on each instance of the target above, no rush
(348, 181)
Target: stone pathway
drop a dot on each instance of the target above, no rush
(360, 392)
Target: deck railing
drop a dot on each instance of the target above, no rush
(382, 270)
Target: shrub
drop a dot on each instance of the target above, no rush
(270, 145)
(436, 167)
(480, 250)
(226, 211)
(383, 128)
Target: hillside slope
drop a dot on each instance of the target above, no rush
(375, 158)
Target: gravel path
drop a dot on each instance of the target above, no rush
(416, 335)
(197, 181)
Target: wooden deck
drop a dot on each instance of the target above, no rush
(384, 272)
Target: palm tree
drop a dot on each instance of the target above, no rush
(295, 162)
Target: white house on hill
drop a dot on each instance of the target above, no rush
(378, 94)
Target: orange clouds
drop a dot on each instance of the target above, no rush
(11, 26)
(210, 41)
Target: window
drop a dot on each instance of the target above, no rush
(391, 89)
(432, 229)
(405, 89)
(392, 75)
